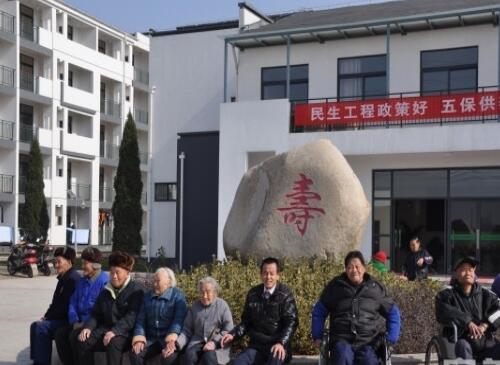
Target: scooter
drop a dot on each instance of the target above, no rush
(23, 258)
(45, 257)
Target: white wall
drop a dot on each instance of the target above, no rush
(187, 70)
(243, 123)
(404, 59)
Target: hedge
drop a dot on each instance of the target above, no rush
(307, 277)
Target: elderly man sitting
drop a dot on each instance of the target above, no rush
(206, 322)
(112, 320)
(160, 320)
(473, 309)
(357, 305)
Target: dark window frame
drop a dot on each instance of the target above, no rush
(70, 32)
(168, 198)
(362, 75)
(263, 83)
(101, 46)
(449, 69)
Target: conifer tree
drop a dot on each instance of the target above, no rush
(127, 208)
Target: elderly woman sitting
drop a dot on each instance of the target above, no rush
(206, 322)
(160, 320)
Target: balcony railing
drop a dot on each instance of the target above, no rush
(141, 116)
(7, 22)
(80, 191)
(6, 129)
(106, 194)
(7, 182)
(27, 81)
(395, 110)
(105, 235)
(27, 132)
(28, 32)
(7, 75)
(111, 108)
(141, 76)
(109, 151)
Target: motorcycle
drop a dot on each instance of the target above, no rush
(23, 258)
(45, 258)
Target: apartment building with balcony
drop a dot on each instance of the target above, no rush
(407, 90)
(69, 80)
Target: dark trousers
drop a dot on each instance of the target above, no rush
(463, 350)
(195, 354)
(150, 352)
(114, 350)
(41, 335)
(66, 344)
(345, 354)
(253, 357)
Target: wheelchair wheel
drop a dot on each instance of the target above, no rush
(432, 352)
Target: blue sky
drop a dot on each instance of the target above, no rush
(134, 15)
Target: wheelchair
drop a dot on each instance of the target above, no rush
(442, 346)
(384, 351)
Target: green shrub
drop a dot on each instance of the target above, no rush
(307, 277)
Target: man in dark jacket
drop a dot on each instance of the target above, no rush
(42, 332)
(110, 325)
(81, 303)
(473, 309)
(418, 261)
(360, 313)
(269, 318)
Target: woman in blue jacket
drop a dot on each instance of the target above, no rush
(159, 321)
(81, 303)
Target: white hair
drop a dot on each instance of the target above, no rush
(209, 280)
(170, 274)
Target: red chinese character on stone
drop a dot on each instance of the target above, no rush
(299, 211)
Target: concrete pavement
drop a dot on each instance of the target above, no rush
(22, 301)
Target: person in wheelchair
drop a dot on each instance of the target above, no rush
(474, 310)
(361, 315)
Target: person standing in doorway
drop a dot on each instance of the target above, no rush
(418, 261)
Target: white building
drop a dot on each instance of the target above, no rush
(187, 67)
(362, 73)
(70, 80)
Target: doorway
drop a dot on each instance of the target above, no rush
(422, 218)
(475, 231)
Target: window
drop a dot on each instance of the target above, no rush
(362, 77)
(70, 78)
(102, 46)
(448, 70)
(70, 32)
(273, 82)
(165, 192)
(70, 124)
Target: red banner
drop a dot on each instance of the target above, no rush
(402, 109)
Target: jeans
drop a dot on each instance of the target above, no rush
(345, 354)
(41, 335)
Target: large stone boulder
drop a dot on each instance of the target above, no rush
(305, 202)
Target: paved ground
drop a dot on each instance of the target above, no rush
(22, 301)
